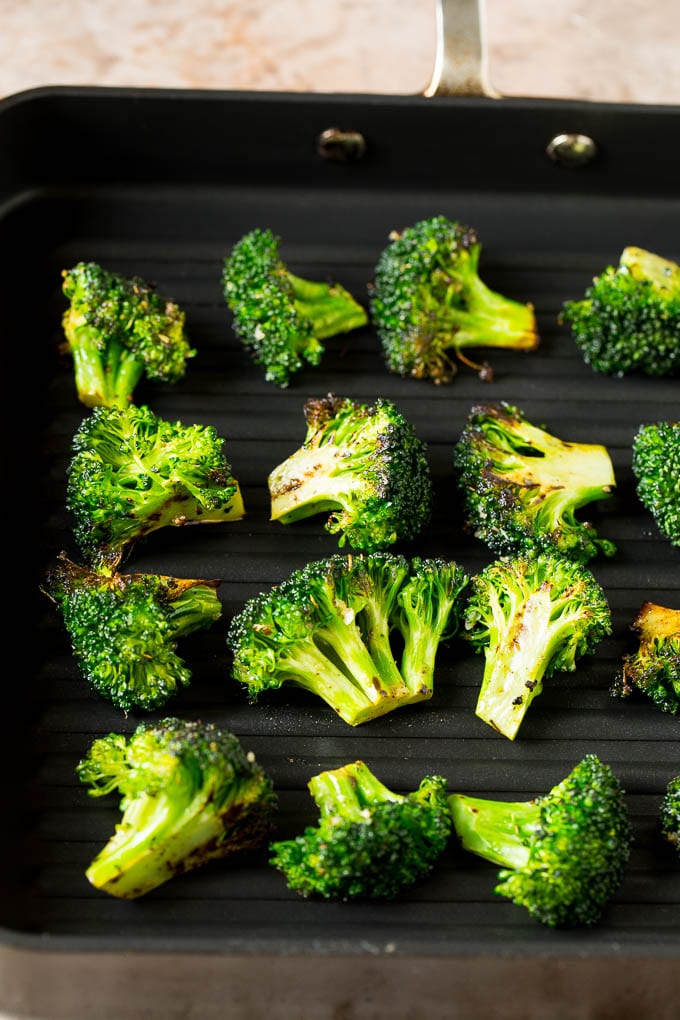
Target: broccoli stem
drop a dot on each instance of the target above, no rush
(422, 638)
(191, 609)
(308, 482)
(498, 831)
(330, 308)
(348, 791)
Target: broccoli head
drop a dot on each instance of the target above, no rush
(563, 855)
(530, 616)
(124, 629)
(429, 304)
(117, 330)
(282, 319)
(522, 486)
(189, 794)
(133, 472)
(330, 628)
(669, 816)
(654, 667)
(656, 467)
(369, 843)
(629, 318)
(364, 463)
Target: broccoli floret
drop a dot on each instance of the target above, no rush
(365, 463)
(133, 472)
(563, 855)
(629, 318)
(428, 303)
(369, 843)
(522, 486)
(669, 815)
(124, 629)
(327, 628)
(656, 467)
(654, 667)
(280, 318)
(531, 616)
(117, 330)
(190, 794)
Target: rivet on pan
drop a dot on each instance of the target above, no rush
(341, 146)
(572, 150)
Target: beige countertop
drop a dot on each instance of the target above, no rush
(605, 50)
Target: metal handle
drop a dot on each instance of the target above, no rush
(460, 56)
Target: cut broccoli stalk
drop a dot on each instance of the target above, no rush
(369, 843)
(563, 855)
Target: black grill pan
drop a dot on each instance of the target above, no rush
(161, 183)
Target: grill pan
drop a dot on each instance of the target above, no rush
(161, 183)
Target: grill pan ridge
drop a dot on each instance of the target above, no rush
(116, 195)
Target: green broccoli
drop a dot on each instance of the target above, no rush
(189, 794)
(117, 330)
(429, 303)
(365, 463)
(124, 629)
(669, 815)
(531, 616)
(282, 319)
(563, 855)
(328, 628)
(656, 468)
(133, 472)
(369, 843)
(629, 318)
(654, 667)
(522, 486)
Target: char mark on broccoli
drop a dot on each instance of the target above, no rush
(656, 468)
(363, 462)
(281, 319)
(654, 667)
(369, 842)
(563, 855)
(629, 317)
(429, 304)
(522, 486)
(530, 616)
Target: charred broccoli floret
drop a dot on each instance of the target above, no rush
(656, 467)
(117, 330)
(364, 463)
(530, 616)
(282, 319)
(189, 794)
(360, 632)
(654, 667)
(522, 486)
(429, 304)
(369, 843)
(629, 318)
(124, 629)
(563, 855)
(669, 816)
(133, 472)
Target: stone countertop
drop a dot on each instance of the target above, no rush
(603, 49)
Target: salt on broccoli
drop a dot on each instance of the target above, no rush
(429, 304)
(629, 317)
(563, 855)
(282, 319)
(530, 616)
(369, 842)
(654, 667)
(133, 472)
(522, 486)
(190, 794)
(360, 632)
(119, 329)
(656, 468)
(669, 814)
(365, 463)
(124, 629)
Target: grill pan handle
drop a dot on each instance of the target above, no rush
(460, 55)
